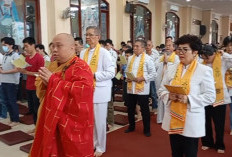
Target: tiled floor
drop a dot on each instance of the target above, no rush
(14, 151)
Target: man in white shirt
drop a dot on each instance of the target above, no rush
(78, 45)
(169, 58)
(114, 55)
(154, 54)
(103, 69)
(138, 88)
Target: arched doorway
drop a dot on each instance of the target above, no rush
(172, 25)
(141, 23)
(85, 13)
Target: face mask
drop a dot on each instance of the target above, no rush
(87, 45)
(5, 49)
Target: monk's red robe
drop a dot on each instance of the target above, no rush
(65, 124)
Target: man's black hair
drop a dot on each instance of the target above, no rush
(8, 40)
(29, 40)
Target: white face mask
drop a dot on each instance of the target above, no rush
(5, 49)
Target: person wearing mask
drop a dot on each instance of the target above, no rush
(9, 80)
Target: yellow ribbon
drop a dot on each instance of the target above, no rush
(139, 87)
(178, 109)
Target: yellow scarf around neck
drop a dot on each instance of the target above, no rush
(178, 109)
(217, 73)
(95, 58)
(170, 58)
(228, 78)
(139, 87)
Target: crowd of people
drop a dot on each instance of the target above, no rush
(71, 92)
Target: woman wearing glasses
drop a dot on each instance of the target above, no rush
(219, 62)
(184, 117)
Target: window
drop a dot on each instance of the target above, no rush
(86, 13)
(19, 19)
(75, 18)
(104, 19)
(141, 23)
(214, 32)
(172, 25)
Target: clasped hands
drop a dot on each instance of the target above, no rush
(137, 79)
(178, 97)
(45, 75)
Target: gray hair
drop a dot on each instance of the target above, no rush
(96, 29)
(143, 43)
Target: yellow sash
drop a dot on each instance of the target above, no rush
(139, 87)
(178, 109)
(217, 73)
(170, 59)
(94, 60)
(228, 79)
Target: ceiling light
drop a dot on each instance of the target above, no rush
(188, 0)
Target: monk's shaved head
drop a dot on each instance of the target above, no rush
(63, 46)
(67, 38)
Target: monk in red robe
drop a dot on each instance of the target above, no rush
(65, 89)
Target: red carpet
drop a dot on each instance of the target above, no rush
(4, 127)
(27, 119)
(22, 109)
(15, 137)
(135, 144)
(26, 148)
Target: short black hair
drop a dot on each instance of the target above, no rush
(194, 42)
(8, 40)
(123, 43)
(40, 46)
(227, 40)
(162, 46)
(130, 51)
(207, 50)
(29, 40)
(109, 41)
(16, 47)
(169, 37)
(102, 42)
(79, 39)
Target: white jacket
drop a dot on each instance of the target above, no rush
(202, 93)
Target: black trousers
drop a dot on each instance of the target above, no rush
(33, 103)
(143, 101)
(218, 115)
(183, 146)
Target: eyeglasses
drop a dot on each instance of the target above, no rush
(184, 50)
(90, 35)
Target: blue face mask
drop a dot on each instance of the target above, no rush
(5, 49)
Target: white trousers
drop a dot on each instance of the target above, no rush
(100, 114)
(160, 111)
